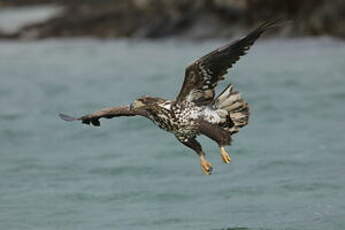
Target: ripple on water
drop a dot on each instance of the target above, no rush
(280, 165)
(104, 197)
(123, 170)
(338, 95)
(311, 186)
(244, 191)
(11, 116)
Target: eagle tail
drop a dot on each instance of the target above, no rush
(230, 105)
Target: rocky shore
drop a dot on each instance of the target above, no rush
(199, 19)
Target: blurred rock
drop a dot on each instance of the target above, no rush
(310, 17)
(184, 18)
(13, 19)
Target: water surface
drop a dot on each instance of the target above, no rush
(288, 164)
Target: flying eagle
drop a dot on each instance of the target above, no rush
(196, 110)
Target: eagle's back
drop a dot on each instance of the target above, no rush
(229, 111)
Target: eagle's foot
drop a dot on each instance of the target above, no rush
(225, 156)
(206, 166)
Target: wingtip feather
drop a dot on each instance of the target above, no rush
(273, 23)
(67, 117)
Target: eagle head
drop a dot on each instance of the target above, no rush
(144, 102)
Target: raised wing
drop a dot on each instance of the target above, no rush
(104, 113)
(202, 76)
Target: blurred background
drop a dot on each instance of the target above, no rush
(170, 18)
(76, 57)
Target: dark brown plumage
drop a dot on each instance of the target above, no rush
(203, 75)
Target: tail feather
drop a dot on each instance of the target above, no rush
(223, 95)
(233, 97)
(237, 106)
(237, 109)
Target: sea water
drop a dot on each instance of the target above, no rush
(288, 169)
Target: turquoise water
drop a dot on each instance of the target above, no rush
(288, 164)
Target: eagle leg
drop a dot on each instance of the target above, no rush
(219, 135)
(192, 143)
(206, 166)
(225, 155)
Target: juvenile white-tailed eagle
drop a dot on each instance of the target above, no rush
(196, 110)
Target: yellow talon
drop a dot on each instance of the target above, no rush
(225, 156)
(206, 166)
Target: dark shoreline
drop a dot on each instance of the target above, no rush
(201, 19)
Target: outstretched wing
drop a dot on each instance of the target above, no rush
(202, 76)
(104, 113)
